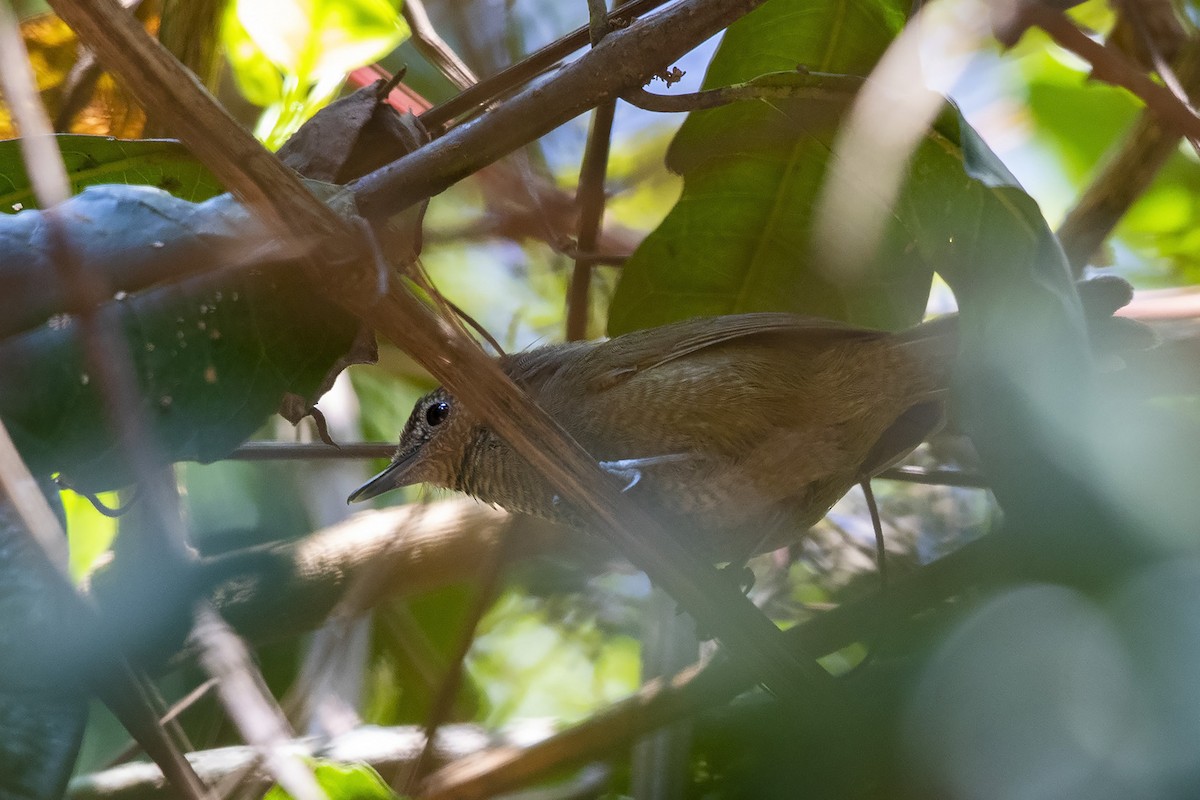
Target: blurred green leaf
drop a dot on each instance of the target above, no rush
(90, 532)
(291, 56)
(1159, 229)
(257, 78)
(528, 665)
(92, 160)
(214, 353)
(343, 782)
(738, 239)
(1060, 97)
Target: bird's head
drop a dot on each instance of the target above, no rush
(431, 449)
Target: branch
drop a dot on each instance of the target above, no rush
(528, 68)
(663, 701)
(1110, 66)
(622, 61)
(801, 84)
(386, 749)
(618, 63)
(281, 590)
(1125, 176)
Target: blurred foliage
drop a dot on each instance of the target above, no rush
(89, 531)
(1042, 689)
(343, 782)
(1156, 243)
(92, 160)
(292, 56)
(53, 50)
(529, 664)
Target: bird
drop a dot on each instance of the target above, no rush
(738, 431)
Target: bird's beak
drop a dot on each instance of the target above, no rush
(395, 475)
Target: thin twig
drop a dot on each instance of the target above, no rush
(490, 89)
(249, 704)
(1125, 176)
(434, 47)
(310, 451)
(173, 713)
(1133, 12)
(805, 85)
(935, 477)
(590, 194)
(877, 525)
(443, 700)
(1112, 67)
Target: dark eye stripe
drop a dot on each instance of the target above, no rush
(436, 413)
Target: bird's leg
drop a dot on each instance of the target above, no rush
(880, 550)
(630, 469)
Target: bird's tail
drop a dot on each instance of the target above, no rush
(935, 342)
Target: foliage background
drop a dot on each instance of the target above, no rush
(562, 644)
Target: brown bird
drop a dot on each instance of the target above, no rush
(739, 431)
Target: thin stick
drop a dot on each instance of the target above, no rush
(590, 196)
(131, 697)
(246, 700)
(485, 92)
(821, 86)
(877, 524)
(443, 701)
(1112, 67)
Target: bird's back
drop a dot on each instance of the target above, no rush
(775, 414)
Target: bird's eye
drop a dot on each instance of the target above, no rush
(436, 413)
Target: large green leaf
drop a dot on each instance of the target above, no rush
(214, 353)
(738, 239)
(93, 160)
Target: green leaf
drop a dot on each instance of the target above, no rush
(343, 782)
(311, 39)
(738, 239)
(92, 160)
(214, 353)
(90, 532)
(257, 78)
(42, 712)
(292, 56)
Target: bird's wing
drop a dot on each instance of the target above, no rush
(640, 351)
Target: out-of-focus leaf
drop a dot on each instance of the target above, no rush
(344, 782)
(529, 667)
(53, 51)
(738, 239)
(41, 715)
(1160, 228)
(92, 160)
(214, 353)
(314, 38)
(257, 78)
(309, 46)
(90, 532)
(1060, 97)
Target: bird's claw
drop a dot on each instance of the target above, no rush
(630, 468)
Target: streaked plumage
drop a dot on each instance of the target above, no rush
(777, 416)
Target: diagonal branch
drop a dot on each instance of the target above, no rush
(1126, 174)
(623, 60)
(1110, 66)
